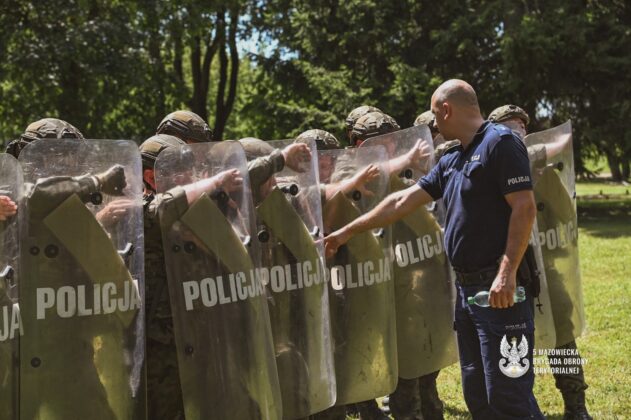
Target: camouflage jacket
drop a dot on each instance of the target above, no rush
(156, 287)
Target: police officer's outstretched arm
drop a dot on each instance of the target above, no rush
(394, 207)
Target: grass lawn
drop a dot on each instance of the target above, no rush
(602, 187)
(605, 252)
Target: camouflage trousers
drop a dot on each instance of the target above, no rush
(417, 399)
(164, 394)
(571, 385)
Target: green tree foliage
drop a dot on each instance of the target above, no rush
(115, 68)
(558, 59)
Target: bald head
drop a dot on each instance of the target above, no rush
(456, 92)
(455, 106)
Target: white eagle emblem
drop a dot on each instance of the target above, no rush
(512, 364)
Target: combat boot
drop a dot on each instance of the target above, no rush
(575, 408)
(405, 403)
(369, 410)
(431, 405)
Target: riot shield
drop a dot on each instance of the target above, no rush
(545, 333)
(220, 317)
(81, 288)
(423, 284)
(361, 290)
(10, 322)
(289, 222)
(553, 178)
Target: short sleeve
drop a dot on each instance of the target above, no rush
(510, 165)
(432, 182)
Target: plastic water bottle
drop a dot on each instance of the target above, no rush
(482, 298)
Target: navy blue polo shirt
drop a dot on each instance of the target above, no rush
(472, 183)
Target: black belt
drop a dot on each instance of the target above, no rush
(481, 277)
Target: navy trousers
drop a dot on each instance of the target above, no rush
(493, 387)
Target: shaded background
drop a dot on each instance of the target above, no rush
(272, 69)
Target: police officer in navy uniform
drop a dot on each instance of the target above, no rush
(487, 190)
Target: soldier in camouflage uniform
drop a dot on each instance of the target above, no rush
(264, 161)
(354, 115)
(187, 126)
(413, 398)
(324, 141)
(327, 141)
(37, 393)
(163, 382)
(44, 128)
(572, 386)
(47, 128)
(369, 122)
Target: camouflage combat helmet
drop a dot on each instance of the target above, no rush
(373, 124)
(323, 139)
(426, 118)
(507, 112)
(47, 128)
(186, 125)
(153, 146)
(255, 148)
(357, 113)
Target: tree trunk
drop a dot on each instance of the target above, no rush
(221, 87)
(614, 166)
(225, 103)
(70, 105)
(198, 101)
(178, 52)
(625, 169)
(157, 64)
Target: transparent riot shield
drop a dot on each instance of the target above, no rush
(424, 289)
(545, 332)
(81, 271)
(289, 222)
(361, 290)
(553, 177)
(10, 321)
(220, 318)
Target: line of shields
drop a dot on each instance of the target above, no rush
(265, 327)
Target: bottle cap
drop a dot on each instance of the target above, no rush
(471, 300)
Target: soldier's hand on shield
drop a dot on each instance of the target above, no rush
(8, 207)
(296, 155)
(112, 181)
(113, 212)
(502, 292)
(417, 156)
(360, 179)
(229, 181)
(335, 240)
